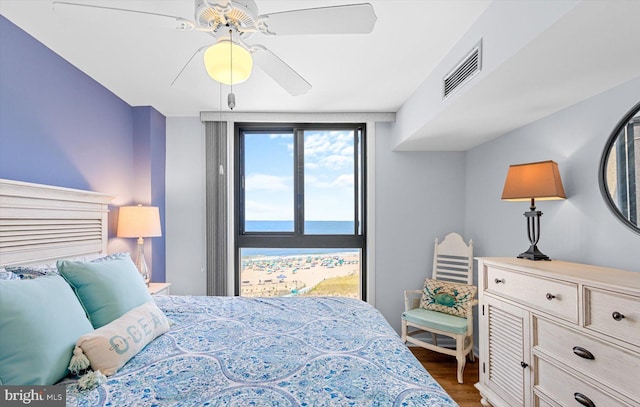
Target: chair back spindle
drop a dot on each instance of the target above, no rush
(453, 260)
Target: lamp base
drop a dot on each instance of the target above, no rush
(141, 264)
(533, 254)
(533, 231)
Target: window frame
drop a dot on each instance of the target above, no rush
(297, 239)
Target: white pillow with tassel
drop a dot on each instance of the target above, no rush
(109, 347)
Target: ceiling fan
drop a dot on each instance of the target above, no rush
(232, 23)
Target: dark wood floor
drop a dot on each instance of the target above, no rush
(443, 369)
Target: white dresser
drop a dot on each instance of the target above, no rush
(555, 333)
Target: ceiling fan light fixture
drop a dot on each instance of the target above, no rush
(219, 66)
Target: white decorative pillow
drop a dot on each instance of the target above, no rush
(33, 271)
(109, 347)
(447, 297)
(7, 275)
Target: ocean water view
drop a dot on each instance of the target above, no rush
(313, 227)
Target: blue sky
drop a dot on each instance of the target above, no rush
(328, 176)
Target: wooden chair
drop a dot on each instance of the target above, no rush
(452, 262)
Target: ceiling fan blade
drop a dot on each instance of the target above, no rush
(347, 19)
(193, 57)
(279, 71)
(120, 16)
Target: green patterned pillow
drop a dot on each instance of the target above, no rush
(450, 298)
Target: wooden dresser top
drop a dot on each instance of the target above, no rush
(582, 273)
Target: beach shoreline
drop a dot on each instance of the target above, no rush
(272, 276)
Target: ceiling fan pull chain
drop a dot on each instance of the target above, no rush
(231, 59)
(231, 98)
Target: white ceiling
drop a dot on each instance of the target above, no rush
(360, 72)
(590, 50)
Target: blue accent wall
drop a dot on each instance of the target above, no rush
(59, 126)
(158, 131)
(149, 145)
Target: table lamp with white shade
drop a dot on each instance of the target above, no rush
(140, 222)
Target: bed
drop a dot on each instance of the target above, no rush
(223, 351)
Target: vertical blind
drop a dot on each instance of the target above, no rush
(216, 206)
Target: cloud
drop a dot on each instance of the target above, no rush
(281, 135)
(330, 149)
(337, 161)
(348, 150)
(260, 211)
(255, 182)
(344, 181)
(284, 139)
(341, 181)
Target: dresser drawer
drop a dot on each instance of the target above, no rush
(542, 402)
(613, 314)
(610, 365)
(555, 297)
(566, 389)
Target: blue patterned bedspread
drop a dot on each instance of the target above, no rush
(233, 351)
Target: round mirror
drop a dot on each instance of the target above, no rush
(620, 170)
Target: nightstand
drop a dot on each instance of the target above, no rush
(159, 288)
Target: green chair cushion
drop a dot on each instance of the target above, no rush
(436, 320)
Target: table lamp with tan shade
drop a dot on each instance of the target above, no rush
(531, 181)
(140, 222)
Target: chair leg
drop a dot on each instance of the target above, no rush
(460, 357)
(404, 331)
(434, 339)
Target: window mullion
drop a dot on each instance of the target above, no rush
(299, 182)
(356, 184)
(362, 182)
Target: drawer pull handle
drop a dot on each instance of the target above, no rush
(583, 353)
(617, 316)
(584, 400)
(499, 280)
(550, 296)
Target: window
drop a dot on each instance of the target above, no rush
(300, 210)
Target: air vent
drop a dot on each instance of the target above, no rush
(465, 70)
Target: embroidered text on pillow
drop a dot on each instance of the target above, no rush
(109, 347)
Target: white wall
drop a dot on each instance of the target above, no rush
(185, 206)
(580, 228)
(419, 196)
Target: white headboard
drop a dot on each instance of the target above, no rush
(42, 223)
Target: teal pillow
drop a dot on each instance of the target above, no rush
(40, 322)
(108, 289)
